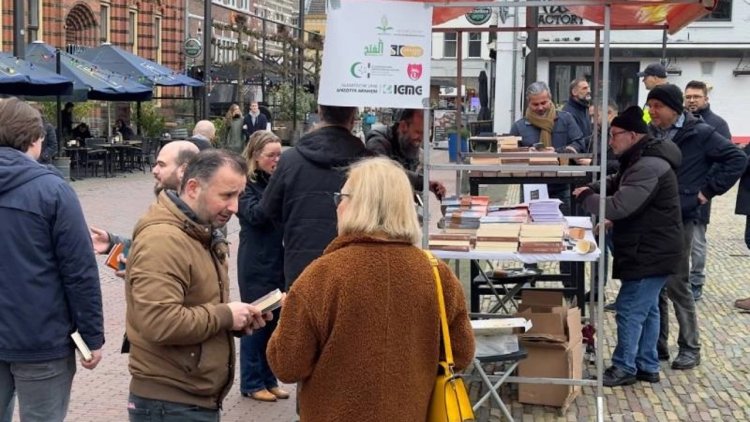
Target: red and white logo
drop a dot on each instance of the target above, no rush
(414, 71)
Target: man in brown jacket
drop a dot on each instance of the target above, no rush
(178, 320)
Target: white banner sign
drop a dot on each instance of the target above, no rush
(377, 54)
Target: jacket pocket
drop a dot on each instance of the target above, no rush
(189, 357)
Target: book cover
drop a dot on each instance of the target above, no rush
(111, 260)
(269, 302)
(83, 349)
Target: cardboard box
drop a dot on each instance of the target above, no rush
(498, 336)
(554, 345)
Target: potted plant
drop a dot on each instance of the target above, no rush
(151, 121)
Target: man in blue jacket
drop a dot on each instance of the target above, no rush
(49, 280)
(703, 149)
(554, 130)
(578, 106)
(696, 102)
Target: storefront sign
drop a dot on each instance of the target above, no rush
(192, 47)
(479, 16)
(377, 54)
(558, 15)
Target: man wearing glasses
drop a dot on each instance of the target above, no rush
(696, 102)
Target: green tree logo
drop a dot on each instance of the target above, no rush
(384, 28)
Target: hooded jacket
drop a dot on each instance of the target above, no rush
(361, 330)
(177, 319)
(299, 195)
(49, 279)
(721, 126)
(383, 140)
(703, 150)
(643, 203)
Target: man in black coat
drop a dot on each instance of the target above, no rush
(703, 149)
(402, 142)
(696, 102)
(643, 208)
(254, 121)
(742, 207)
(299, 195)
(578, 107)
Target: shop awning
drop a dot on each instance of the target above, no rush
(674, 16)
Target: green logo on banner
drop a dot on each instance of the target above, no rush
(479, 16)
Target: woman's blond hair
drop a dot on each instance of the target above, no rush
(255, 144)
(380, 202)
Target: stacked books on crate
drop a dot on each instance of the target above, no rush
(546, 210)
(541, 238)
(478, 203)
(510, 144)
(500, 237)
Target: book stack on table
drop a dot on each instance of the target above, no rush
(546, 210)
(542, 238)
(500, 237)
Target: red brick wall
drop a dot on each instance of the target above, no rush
(55, 14)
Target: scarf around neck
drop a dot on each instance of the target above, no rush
(544, 123)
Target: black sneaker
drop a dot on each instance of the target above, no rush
(651, 377)
(614, 377)
(697, 293)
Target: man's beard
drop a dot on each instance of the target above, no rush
(410, 150)
(171, 182)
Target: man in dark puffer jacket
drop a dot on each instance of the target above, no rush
(643, 207)
(703, 149)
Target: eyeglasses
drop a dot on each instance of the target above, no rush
(338, 197)
(613, 134)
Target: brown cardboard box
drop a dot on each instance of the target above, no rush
(554, 345)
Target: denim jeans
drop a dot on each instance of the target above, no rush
(638, 325)
(609, 246)
(7, 415)
(255, 373)
(698, 256)
(146, 410)
(43, 388)
(679, 292)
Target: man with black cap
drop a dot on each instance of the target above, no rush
(703, 149)
(653, 75)
(643, 208)
(402, 142)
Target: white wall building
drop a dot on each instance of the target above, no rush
(715, 50)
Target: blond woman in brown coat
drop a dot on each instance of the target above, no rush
(360, 327)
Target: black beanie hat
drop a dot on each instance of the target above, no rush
(668, 94)
(631, 120)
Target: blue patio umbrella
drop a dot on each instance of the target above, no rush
(18, 77)
(90, 81)
(135, 67)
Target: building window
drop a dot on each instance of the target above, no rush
(104, 22)
(34, 26)
(157, 37)
(133, 30)
(475, 44)
(722, 12)
(449, 44)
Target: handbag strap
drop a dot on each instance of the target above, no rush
(441, 304)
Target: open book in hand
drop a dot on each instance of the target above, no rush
(83, 349)
(269, 302)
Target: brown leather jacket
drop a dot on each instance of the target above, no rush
(178, 322)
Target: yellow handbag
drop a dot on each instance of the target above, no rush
(449, 401)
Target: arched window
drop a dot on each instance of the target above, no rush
(80, 28)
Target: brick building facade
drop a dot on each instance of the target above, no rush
(153, 29)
